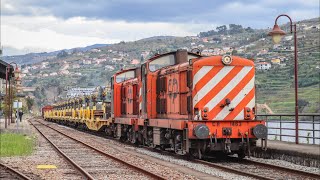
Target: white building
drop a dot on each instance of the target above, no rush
(108, 67)
(263, 66)
(98, 61)
(34, 67)
(75, 66)
(53, 74)
(288, 38)
(88, 61)
(73, 92)
(25, 71)
(64, 72)
(65, 67)
(201, 45)
(44, 65)
(117, 59)
(78, 74)
(95, 50)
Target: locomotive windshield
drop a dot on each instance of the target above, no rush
(125, 76)
(165, 61)
(161, 62)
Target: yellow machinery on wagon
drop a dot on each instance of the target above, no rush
(93, 110)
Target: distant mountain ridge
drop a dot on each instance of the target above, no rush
(32, 58)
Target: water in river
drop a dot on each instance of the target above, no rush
(306, 130)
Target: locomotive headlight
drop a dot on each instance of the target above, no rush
(226, 59)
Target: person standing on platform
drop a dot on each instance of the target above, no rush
(17, 119)
(20, 115)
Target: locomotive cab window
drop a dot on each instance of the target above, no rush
(125, 76)
(161, 62)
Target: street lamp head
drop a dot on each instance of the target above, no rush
(16, 72)
(276, 34)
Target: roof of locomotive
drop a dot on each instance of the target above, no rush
(217, 61)
(203, 60)
(156, 56)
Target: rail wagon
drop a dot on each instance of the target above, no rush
(46, 109)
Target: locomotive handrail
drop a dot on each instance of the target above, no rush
(288, 114)
(308, 119)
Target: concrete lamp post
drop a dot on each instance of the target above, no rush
(277, 35)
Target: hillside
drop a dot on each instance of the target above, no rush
(58, 71)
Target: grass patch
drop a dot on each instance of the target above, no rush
(15, 145)
(282, 101)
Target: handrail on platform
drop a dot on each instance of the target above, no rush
(306, 118)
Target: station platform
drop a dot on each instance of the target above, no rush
(302, 154)
(22, 127)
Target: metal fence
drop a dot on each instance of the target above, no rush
(283, 126)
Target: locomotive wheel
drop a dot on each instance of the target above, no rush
(241, 154)
(123, 139)
(162, 147)
(133, 138)
(109, 131)
(195, 154)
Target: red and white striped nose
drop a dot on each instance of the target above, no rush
(225, 91)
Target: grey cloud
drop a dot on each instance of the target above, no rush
(203, 11)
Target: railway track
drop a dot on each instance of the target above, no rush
(91, 162)
(248, 168)
(245, 167)
(259, 170)
(7, 173)
(211, 164)
(283, 169)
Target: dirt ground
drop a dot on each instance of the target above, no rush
(43, 154)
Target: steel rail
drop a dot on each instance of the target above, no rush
(207, 163)
(234, 171)
(293, 171)
(19, 174)
(231, 170)
(108, 155)
(247, 161)
(84, 172)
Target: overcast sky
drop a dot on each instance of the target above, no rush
(46, 25)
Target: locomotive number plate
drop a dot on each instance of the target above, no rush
(235, 123)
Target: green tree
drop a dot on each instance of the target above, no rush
(249, 30)
(30, 103)
(301, 104)
(62, 54)
(222, 29)
(234, 52)
(234, 29)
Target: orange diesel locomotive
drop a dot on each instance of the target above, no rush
(188, 103)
